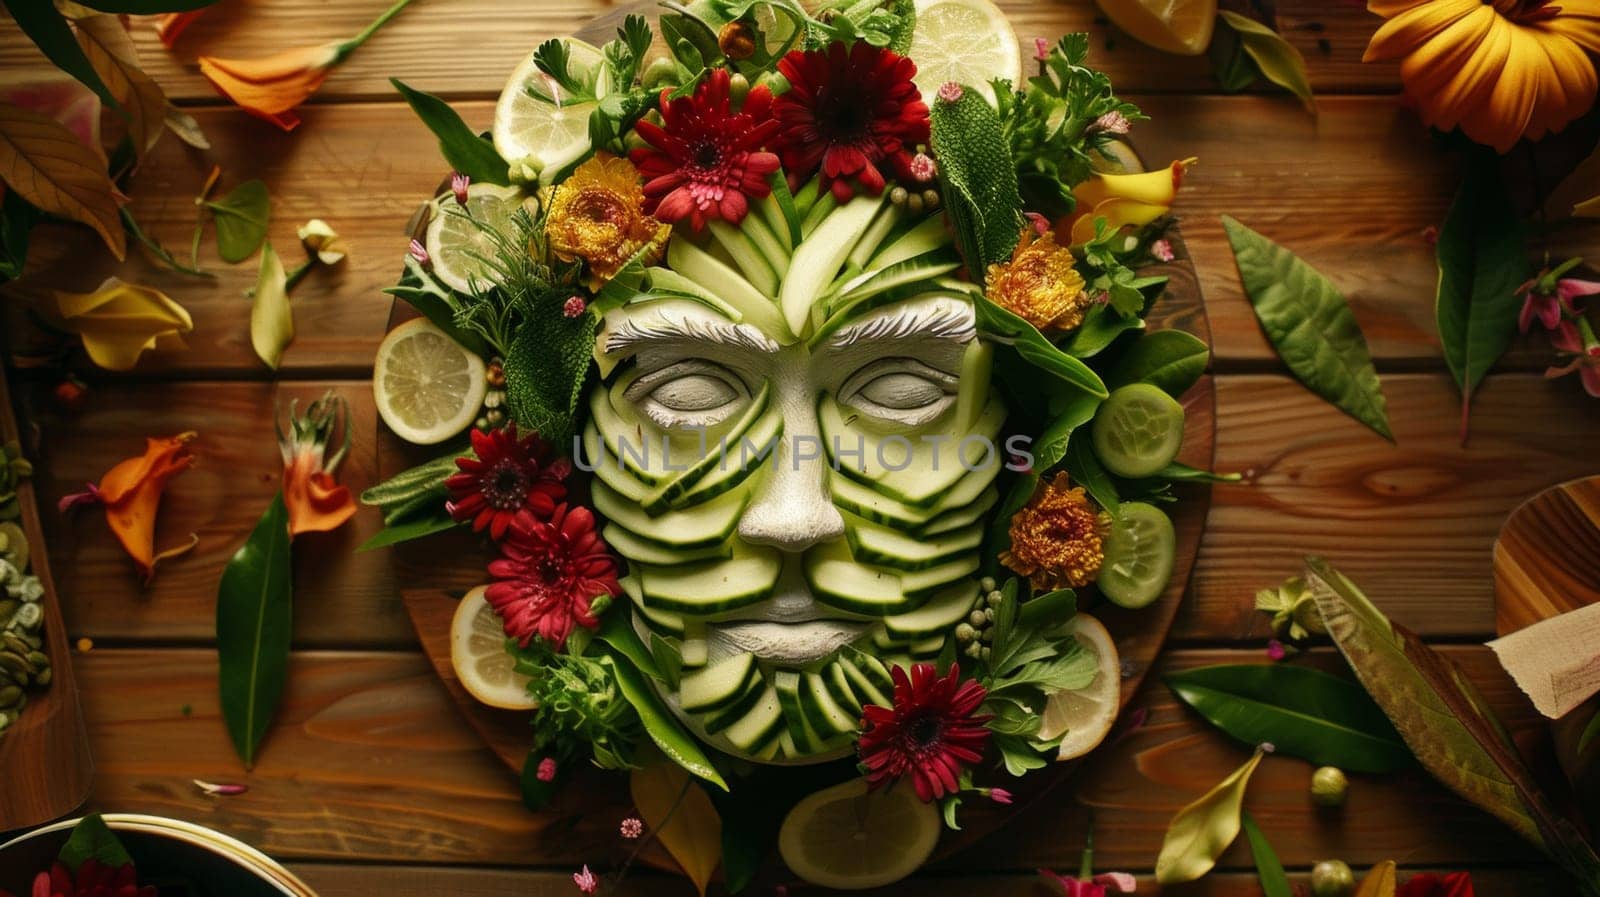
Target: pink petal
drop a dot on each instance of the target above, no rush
(1571, 287)
(1121, 881)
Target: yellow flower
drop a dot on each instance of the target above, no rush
(322, 241)
(119, 321)
(1499, 70)
(1057, 539)
(597, 215)
(1039, 284)
(1123, 200)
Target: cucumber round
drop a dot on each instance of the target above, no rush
(1138, 430)
(1139, 553)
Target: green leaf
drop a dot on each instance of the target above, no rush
(1303, 712)
(271, 318)
(659, 722)
(49, 31)
(241, 220)
(1482, 260)
(466, 152)
(1274, 883)
(254, 606)
(436, 303)
(408, 530)
(1052, 444)
(1201, 831)
(92, 839)
(1026, 340)
(1229, 62)
(17, 218)
(1277, 59)
(1172, 360)
(1084, 469)
(1310, 325)
(978, 180)
(546, 368)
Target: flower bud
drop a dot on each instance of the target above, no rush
(738, 88)
(1328, 786)
(1332, 878)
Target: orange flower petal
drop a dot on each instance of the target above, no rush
(1579, 22)
(1456, 72)
(315, 501)
(132, 494)
(1414, 27)
(272, 86)
(170, 26)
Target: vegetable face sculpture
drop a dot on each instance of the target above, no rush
(797, 469)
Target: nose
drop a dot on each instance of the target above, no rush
(792, 510)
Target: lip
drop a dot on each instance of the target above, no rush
(797, 643)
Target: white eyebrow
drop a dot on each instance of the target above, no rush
(669, 327)
(951, 321)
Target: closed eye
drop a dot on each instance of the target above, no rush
(899, 390)
(690, 394)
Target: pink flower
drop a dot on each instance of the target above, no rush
(1162, 250)
(1041, 49)
(1117, 882)
(1000, 796)
(1586, 366)
(573, 307)
(1275, 650)
(1548, 296)
(1112, 122)
(585, 880)
(632, 828)
(547, 770)
(417, 251)
(923, 168)
(458, 186)
(950, 91)
(1039, 223)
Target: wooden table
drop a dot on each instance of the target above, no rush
(370, 780)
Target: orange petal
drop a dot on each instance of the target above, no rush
(1579, 22)
(315, 501)
(1411, 29)
(1456, 71)
(132, 494)
(272, 86)
(170, 26)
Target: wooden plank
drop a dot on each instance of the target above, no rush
(369, 761)
(469, 47)
(343, 880)
(1413, 523)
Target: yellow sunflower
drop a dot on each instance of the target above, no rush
(597, 216)
(1498, 69)
(1039, 284)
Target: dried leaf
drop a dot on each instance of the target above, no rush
(680, 814)
(110, 50)
(271, 318)
(1204, 829)
(48, 166)
(1277, 59)
(1380, 881)
(188, 130)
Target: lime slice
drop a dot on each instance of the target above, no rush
(479, 656)
(965, 41)
(426, 386)
(1175, 26)
(1138, 430)
(544, 134)
(850, 838)
(1139, 553)
(460, 241)
(1082, 717)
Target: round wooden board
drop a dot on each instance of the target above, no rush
(1547, 557)
(454, 562)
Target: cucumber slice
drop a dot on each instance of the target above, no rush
(824, 714)
(839, 686)
(873, 544)
(712, 587)
(666, 283)
(779, 216)
(888, 216)
(612, 474)
(668, 625)
(701, 526)
(920, 585)
(639, 551)
(740, 708)
(936, 618)
(695, 651)
(870, 678)
(1139, 553)
(717, 686)
(761, 723)
(927, 648)
(862, 501)
(938, 459)
(817, 261)
(735, 463)
(956, 519)
(801, 738)
(752, 262)
(977, 367)
(670, 492)
(727, 284)
(927, 236)
(1138, 430)
(838, 581)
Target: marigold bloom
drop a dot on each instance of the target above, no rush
(1123, 200)
(1057, 539)
(597, 216)
(272, 86)
(315, 500)
(131, 493)
(120, 320)
(1040, 284)
(931, 733)
(1500, 70)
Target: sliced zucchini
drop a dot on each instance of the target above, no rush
(701, 526)
(827, 718)
(717, 686)
(667, 624)
(751, 260)
(763, 722)
(884, 547)
(727, 284)
(817, 260)
(839, 686)
(938, 617)
(667, 284)
(722, 719)
(927, 236)
(801, 738)
(863, 501)
(864, 679)
(712, 587)
(694, 649)
(920, 585)
(640, 551)
(670, 491)
(838, 581)
(960, 517)
(938, 459)
(612, 474)
(735, 462)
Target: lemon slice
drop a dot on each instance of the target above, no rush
(1174, 26)
(1086, 714)
(478, 654)
(549, 136)
(965, 41)
(849, 838)
(459, 240)
(426, 386)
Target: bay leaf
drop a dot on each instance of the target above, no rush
(405, 531)
(1269, 869)
(1379, 881)
(46, 164)
(1310, 326)
(241, 218)
(1170, 359)
(1277, 59)
(271, 318)
(681, 817)
(1303, 712)
(466, 152)
(254, 608)
(1482, 260)
(1201, 831)
(110, 51)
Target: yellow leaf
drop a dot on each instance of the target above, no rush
(111, 53)
(271, 319)
(1278, 59)
(1380, 881)
(680, 814)
(47, 165)
(119, 321)
(1204, 829)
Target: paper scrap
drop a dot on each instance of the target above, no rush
(1556, 662)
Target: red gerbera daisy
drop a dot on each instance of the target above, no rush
(548, 574)
(931, 732)
(94, 879)
(505, 475)
(848, 110)
(707, 162)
